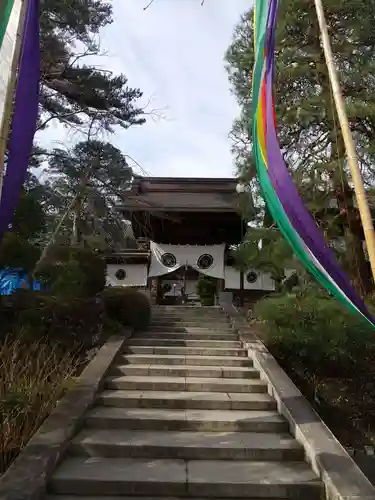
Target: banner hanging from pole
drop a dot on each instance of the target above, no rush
(9, 21)
(25, 114)
(278, 189)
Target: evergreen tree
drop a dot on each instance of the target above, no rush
(90, 181)
(77, 94)
(307, 123)
(72, 90)
(265, 249)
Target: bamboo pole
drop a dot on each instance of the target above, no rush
(9, 97)
(359, 188)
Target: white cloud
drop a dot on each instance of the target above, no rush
(174, 52)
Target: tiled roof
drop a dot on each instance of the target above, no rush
(182, 194)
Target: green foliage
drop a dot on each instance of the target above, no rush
(73, 90)
(315, 332)
(19, 247)
(73, 271)
(206, 289)
(29, 220)
(304, 102)
(70, 280)
(307, 123)
(18, 253)
(93, 177)
(206, 286)
(68, 321)
(128, 306)
(264, 249)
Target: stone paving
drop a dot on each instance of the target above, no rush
(183, 413)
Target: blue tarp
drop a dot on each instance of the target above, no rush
(11, 279)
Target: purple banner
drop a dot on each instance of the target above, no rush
(24, 117)
(284, 187)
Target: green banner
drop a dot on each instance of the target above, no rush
(6, 7)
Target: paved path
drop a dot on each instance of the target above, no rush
(184, 414)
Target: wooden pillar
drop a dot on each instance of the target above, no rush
(158, 290)
(242, 288)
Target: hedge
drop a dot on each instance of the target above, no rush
(316, 332)
(69, 322)
(127, 306)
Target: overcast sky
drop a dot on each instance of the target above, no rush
(174, 52)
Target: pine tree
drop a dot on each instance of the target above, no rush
(89, 181)
(307, 122)
(72, 90)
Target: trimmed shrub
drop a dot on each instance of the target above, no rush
(17, 253)
(69, 322)
(317, 333)
(206, 288)
(128, 307)
(74, 271)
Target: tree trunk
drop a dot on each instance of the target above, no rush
(76, 230)
(77, 233)
(356, 263)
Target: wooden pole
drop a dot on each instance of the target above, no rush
(9, 96)
(359, 188)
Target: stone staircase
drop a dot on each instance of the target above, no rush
(184, 414)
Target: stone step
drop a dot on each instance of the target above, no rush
(196, 323)
(172, 342)
(156, 419)
(192, 322)
(199, 327)
(186, 445)
(197, 351)
(204, 478)
(159, 359)
(193, 329)
(166, 316)
(187, 308)
(194, 315)
(217, 317)
(193, 384)
(125, 497)
(190, 335)
(187, 400)
(184, 371)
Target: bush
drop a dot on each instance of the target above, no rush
(74, 271)
(33, 378)
(206, 288)
(317, 333)
(69, 322)
(17, 253)
(127, 306)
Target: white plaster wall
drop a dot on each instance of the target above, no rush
(232, 280)
(136, 274)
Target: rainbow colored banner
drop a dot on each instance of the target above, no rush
(279, 191)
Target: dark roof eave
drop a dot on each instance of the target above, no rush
(189, 180)
(127, 208)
